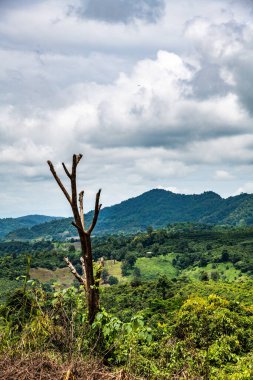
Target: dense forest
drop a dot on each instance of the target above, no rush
(176, 303)
(156, 208)
(8, 225)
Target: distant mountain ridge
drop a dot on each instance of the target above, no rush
(8, 225)
(156, 208)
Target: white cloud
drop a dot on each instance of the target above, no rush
(158, 168)
(223, 175)
(167, 102)
(175, 189)
(245, 188)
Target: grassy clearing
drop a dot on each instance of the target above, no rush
(114, 269)
(150, 268)
(60, 275)
(65, 278)
(156, 266)
(226, 271)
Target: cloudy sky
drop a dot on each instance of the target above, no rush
(154, 93)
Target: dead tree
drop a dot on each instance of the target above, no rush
(90, 277)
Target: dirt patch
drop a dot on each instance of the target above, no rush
(40, 367)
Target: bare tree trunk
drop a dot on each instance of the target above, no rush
(90, 278)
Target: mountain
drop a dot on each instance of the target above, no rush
(155, 208)
(11, 224)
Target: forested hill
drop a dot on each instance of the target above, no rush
(156, 208)
(11, 224)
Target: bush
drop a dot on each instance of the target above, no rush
(112, 280)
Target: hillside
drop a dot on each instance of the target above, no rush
(156, 208)
(11, 224)
(177, 292)
(182, 249)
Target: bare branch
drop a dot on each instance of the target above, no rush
(52, 169)
(75, 162)
(78, 158)
(77, 227)
(66, 170)
(74, 190)
(74, 271)
(81, 207)
(96, 212)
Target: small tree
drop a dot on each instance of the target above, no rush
(203, 276)
(90, 277)
(224, 256)
(112, 280)
(215, 276)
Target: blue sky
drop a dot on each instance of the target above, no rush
(154, 93)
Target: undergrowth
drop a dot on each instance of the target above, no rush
(46, 335)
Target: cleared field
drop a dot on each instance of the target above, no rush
(114, 269)
(150, 268)
(154, 267)
(226, 271)
(60, 275)
(65, 278)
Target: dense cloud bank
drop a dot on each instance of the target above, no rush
(155, 94)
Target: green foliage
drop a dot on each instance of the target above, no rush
(8, 225)
(163, 286)
(125, 269)
(72, 248)
(215, 276)
(154, 209)
(160, 323)
(179, 249)
(204, 322)
(112, 280)
(122, 341)
(153, 267)
(13, 257)
(104, 275)
(128, 264)
(200, 336)
(203, 276)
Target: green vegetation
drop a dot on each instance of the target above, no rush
(156, 330)
(154, 208)
(195, 251)
(8, 225)
(176, 303)
(223, 271)
(114, 269)
(156, 266)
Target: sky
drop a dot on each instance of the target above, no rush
(153, 93)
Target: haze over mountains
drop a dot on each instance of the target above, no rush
(156, 208)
